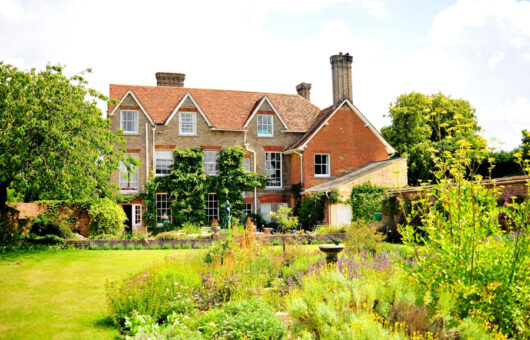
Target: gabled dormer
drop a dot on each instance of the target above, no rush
(187, 117)
(265, 121)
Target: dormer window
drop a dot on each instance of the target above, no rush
(129, 121)
(188, 123)
(265, 126)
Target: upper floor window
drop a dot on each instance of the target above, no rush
(163, 162)
(322, 166)
(129, 178)
(187, 123)
(129, 121)
(211, 161)
(273, 169)
(265, 125)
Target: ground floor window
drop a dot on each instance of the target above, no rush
(212, 207)
(248, 209)
(266, 208)
(137, 215)
(163, 211)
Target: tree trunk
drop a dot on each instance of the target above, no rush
(3, 195)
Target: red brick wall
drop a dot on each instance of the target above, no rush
(350, 144)
(295, 168)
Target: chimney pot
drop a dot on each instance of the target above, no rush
(170, 79)
(341, 77)
(304, 90)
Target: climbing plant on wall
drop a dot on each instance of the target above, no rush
(233, 180)
(187, 186)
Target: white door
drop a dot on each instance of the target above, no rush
(344, 214)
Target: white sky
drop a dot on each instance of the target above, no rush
(476, 50)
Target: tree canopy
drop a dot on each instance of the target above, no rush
(55, 143)
(424, 126)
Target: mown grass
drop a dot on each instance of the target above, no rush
(61, 294)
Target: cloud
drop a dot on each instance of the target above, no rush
(377, 8)
(495, 58)
(506, 122)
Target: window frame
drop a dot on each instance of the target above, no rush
(248, 211)
(162, 152)
(136, 213)
(214, 207)
(267, 170)
(193, 122)
(166, 209)
(245, 162)
(328, 165)
(210, 162)
(128, 189)
(266, 217)
(271, 125)
(135, 122)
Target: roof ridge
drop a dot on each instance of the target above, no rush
(210, 89)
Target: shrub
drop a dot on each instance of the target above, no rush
(251, 319)
(93, 246)
(118, 246)
(276, 242)
(106, 217)
(363, 236)
(140, 246)
(47, 225)
(464, 249)
(186, 245)
(162, 290)
(176, 245)
(248, 319)
(106, 246)
(156, 246)
(168, 235)
(190, 228)
(43, 240)
(130, 246)
(167, 246)
(314, 241)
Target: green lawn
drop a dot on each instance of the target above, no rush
(61, 294)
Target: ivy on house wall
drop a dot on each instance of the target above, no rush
(233, 180)
(187, 186)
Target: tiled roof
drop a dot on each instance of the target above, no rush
(226, 109)
(353, 175)
(320, 118)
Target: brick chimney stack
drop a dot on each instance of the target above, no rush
(341, 77)
(170, 79)
(304, 90)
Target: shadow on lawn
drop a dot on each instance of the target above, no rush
(106, 323)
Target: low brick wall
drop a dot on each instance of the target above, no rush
(207, 242)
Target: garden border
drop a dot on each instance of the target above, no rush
(197, 243)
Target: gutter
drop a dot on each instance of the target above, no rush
(246, 144)
(146, 152)
(154, 158)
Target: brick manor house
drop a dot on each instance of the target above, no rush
(285, 137)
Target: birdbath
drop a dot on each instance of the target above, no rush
(331, 251)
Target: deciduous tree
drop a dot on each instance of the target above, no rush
(423, 125)
(54, 141)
